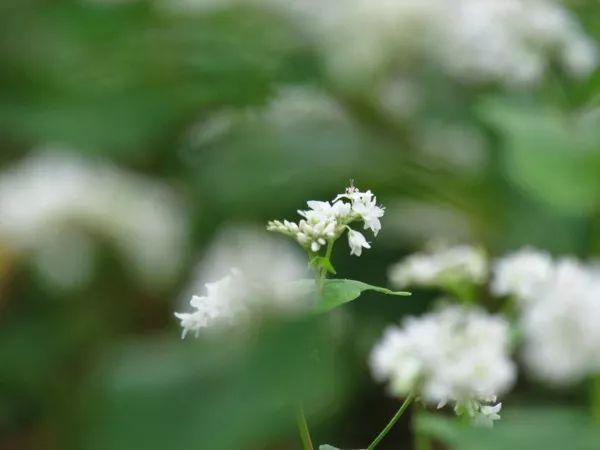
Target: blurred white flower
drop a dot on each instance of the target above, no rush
(561, 337)
(451, 356)
(357, 241)
(325, 222)
(507, 41)
(559, 309)
(441, 267)
(255, 271)
(521, 273)
(53, 193)
(223, 304)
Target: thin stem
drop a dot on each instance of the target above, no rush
(391, 423)
(329, 249)
(303, 430)
(322, 275)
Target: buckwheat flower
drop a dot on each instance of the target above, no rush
(357, 242)
(191, 322)
(53, 195)
(452, 356)
(259, 284)
(326, 210)
(521, 273)
(487, 414)
(364, 205)
(223, 304)
(509, 42)
(324, 222)
(561, 337)
(438, 268)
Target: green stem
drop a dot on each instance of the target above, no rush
(303, 430)
(391, 423)
(323, 272)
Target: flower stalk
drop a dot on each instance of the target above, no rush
(392, 422)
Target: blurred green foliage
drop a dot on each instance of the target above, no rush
(182, 98)
(525, 427)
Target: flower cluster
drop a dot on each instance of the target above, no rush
(521, 273)
(451, 356)
(253, 288)
(324, 222)
(559, 313)
(237, 298)
(53, 204)
(221, 304)
(441, 267)
(511, 42)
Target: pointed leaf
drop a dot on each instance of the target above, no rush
(337, 292)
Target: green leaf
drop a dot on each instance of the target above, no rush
(523, 428)
(552, 157)
(328, 447)
(218, 393)
(337, 292)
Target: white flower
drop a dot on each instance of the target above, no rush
(439, 267)
(326, 210)
(511, 42)
(561, 337)
(559, 305)
(521, 273)
(357, 241)
(365, 205)
(54, 194)
(487, 414)
(191, 322)
(223, 304)
(260, 283)
(324, 222)
(453, 355)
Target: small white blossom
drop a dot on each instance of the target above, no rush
(487, 414)
(521, 273)
(357, 241)
(365, 205)
(451, 356)
(439, 267)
